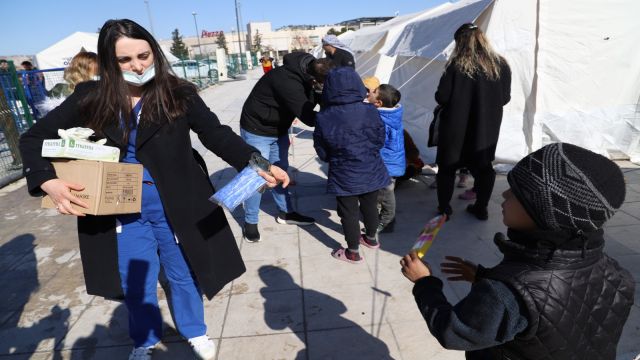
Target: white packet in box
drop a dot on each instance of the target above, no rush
(75, 144)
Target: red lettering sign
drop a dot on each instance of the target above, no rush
(206, 33)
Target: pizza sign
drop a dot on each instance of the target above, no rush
(206, 33)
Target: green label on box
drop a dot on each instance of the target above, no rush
(72, 143)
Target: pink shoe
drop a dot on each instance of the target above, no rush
(467, 195)
(368, 243)
(341, 254)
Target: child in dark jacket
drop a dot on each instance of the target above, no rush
(555, 294)
(387, 98)
(349, 135)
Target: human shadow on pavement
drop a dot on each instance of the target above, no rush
(116, 333)
(344, 340)
(19, 281)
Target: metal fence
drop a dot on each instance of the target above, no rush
(22, 94)
(202, 73)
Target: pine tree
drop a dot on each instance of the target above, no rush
(221, 41)
(178, 48)
(257, 42)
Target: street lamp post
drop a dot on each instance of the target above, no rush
(198, 38)
(239, 38)
(146, 2)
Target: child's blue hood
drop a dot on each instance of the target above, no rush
(343, 86)
(392, 116)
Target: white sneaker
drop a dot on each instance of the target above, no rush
(203, 347)
(141, 353)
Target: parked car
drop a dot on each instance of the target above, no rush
(192, 69)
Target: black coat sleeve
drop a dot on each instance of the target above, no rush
(445, 87)
(218, 138)
(293, 96)
(505, 78)
(488, 316)
(37, 169)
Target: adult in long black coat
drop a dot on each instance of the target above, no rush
(475, 86)
(134, 71)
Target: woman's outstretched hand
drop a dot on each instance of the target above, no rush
(60, 192)
(459, 269)
(275, 176)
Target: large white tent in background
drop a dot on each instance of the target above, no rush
(60, 54)
(575, 69)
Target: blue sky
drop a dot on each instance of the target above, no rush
(36, 24)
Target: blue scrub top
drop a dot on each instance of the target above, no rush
(130, 156)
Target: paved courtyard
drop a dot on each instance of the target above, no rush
(294, 301)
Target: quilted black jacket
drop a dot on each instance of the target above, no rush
(577, 301)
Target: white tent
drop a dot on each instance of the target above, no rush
(575, 69)
(60, 54)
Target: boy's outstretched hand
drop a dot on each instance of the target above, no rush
(413, 268)
(459, 269)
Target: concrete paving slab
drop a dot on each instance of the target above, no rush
(266, 347)
(413, 343)
(343, 306)
(324, 273)
(279, 246)
(352, 343)
(263, 313)
(275, 274)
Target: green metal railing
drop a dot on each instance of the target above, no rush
(203, 72)
(15, 118)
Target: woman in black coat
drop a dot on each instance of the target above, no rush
(178, 227)
(475, 86)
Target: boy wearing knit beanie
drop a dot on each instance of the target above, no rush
(555, 294)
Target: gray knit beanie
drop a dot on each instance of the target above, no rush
(563, 186)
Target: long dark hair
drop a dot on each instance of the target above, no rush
(104, 106)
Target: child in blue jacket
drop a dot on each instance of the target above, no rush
(349, 135)
(387, 98)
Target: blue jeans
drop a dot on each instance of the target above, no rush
(276, 149)
(145, 241)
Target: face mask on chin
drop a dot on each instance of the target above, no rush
(138, 80)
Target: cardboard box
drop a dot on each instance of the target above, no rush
(109, 188)
(78, 149)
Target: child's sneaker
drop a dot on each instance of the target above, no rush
(141, 353)
(347, 256)
(370, 243)
(468, 195)
(386, 229)
(250, 233)
(293, 218)
(203, 347)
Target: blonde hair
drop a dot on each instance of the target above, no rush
(82, 68)
(474, 55)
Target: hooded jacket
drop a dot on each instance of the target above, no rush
(554, 296)
(280, 96)
(349, 135)
(393, 150)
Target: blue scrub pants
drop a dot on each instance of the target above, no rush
(276, 150)
(145, 241)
